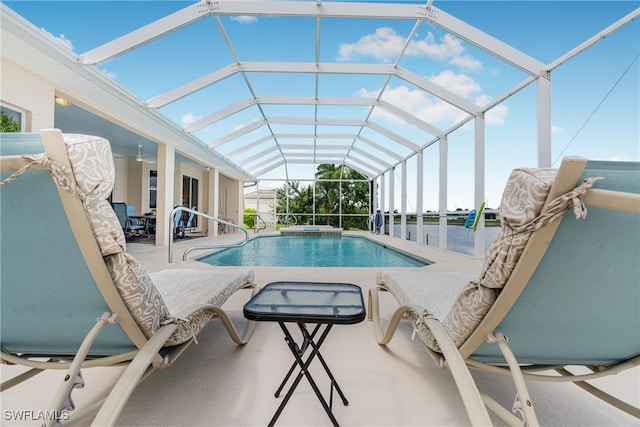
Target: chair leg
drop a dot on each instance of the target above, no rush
(473, 403)
(238, 338)
(131, 377)
(373, 309)
(62, 401)
(523, 403)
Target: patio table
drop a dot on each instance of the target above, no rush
(307, 303)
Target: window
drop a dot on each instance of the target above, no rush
(190, 195)
(153, 189)
(11, 119)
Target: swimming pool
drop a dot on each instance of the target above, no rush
(312, 251)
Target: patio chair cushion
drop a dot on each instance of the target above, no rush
(93, 176)
(521, 205)
(94, 172)
(185, 288)
(138, 292)
(436, 290)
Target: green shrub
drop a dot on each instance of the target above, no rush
(249, 218)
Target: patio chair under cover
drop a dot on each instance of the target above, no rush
(70, 267)
(561, 281)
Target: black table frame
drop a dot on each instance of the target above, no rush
(289, 313)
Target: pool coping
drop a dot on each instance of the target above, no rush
(335, 233)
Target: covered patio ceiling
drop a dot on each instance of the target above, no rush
(311, 88)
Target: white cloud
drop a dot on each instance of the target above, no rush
(497, 114)
(61, 39)
(414, 101)
(430, 108)
(189, 118)
(385, 45)
(556, 129)
(620, 158)
(460, 84)
(245, 19)
(466, 62)
(108, 74)
(448, 47)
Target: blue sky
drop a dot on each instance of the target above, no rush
(595, 98)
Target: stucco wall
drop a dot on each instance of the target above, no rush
(29, 93)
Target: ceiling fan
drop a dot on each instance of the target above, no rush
(139, 157)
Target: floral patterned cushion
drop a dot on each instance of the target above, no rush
(140, 295)
(522, 203)
(90, 178)
(94, 173)
(521, 214)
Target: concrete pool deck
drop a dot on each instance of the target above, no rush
(217, 383)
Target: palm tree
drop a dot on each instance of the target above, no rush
(327, 191)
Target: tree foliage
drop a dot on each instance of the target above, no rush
(7, 124)
(328, 188)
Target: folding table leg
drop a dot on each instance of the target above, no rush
(334, 383)
(294, 364)
(304, 365)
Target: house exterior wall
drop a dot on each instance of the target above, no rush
(30, 94)
(266, 204)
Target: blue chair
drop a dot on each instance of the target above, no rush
(131, 224)
(558, 290)
(178, 225)
(136, 225)
(191, 220)
(54, 288)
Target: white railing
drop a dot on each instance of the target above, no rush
(203, 247)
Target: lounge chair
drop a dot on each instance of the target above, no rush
(72, 297)
(555, 292)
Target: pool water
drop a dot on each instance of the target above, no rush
(312, 251)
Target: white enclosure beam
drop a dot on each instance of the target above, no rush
(379, 147)
(270, 168)
(238, 133)
(311, 147)
(403, 201)
(257, 156)
(359, 169)
(253, 144)
(479, 184)
(544, 122)
(328, 155)
(438, 91)
(193, 86)
(268, 160)
(150, 32)
(371, 157)
(210, 119)
(595, 39)
(393, 136)
(382, 199)
(419, 197)
(442, 191)
(485, 42)
(314, 122)
(409, 118)
(392, 192)
(373, 171)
